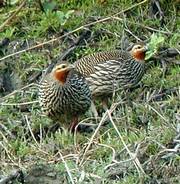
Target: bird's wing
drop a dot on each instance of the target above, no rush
(87, 64)
(105, 76)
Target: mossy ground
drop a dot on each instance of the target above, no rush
(148, 127)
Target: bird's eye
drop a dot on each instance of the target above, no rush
(139, 47)
(63, 66)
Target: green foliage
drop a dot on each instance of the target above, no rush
(128, 180)
(155, 41)
(13, 2)
(175, 71)
(167, 136)
(21, 148)
(64, 138)
(49, 6)
(53, 20)
(174, 41)
(152, 149)
(8, 32)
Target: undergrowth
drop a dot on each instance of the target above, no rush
(148, 128)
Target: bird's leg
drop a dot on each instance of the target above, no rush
(128, 98)
(105, 104)
(73, 124)
(94, 110)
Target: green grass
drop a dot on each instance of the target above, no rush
(149, 127)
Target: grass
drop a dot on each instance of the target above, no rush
(149, 128)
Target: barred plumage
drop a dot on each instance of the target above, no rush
(64, 94)
(111, 70)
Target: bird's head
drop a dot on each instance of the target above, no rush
(61, 71)
(138, 51)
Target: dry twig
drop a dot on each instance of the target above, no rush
(12, 16)
(32, 134)
(105, 116)
(132, 155)
(67, 168)
(19, 104)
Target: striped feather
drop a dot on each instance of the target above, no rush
(62, 102)
(110, 70)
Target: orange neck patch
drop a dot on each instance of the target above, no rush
(61, 76)
(139, 55)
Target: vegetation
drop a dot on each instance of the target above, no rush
(137, 142)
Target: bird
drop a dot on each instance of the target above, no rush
(64, 95)
(109, 71)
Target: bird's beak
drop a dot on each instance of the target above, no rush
(145, 48)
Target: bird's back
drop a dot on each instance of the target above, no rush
(86, 65)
